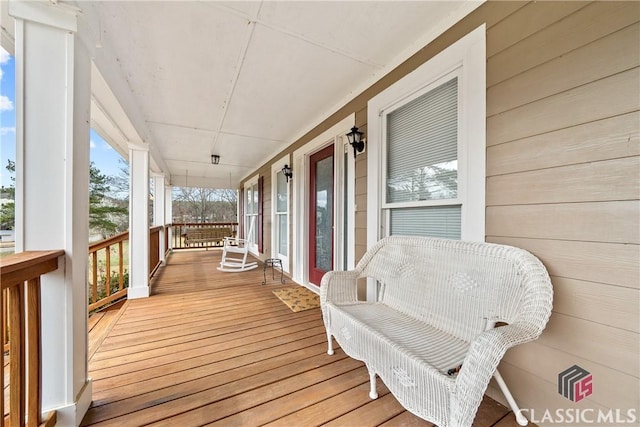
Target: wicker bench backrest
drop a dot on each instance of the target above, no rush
(458, 286)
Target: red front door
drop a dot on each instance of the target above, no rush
(321, 214)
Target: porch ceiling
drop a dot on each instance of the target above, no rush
(243, 79)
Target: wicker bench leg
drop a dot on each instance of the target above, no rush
(521, 419)
(330, 344)
(373, 393)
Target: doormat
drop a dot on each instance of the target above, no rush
(298, 298)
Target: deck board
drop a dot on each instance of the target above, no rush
(212, 348)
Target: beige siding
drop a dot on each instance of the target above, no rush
(617, 306)
(610, 263)
(562, 182)
(527, 21)
(608, 97)
(549, 42)
(567, 221)
(600, 59)
(611, 138)
(563, 169)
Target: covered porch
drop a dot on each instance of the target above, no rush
(213, 348)
(233, 94)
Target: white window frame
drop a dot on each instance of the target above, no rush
(345, 231)
(275, 169)
(247, 187)
(467, 58)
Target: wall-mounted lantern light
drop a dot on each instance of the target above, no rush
(288, 173)
(215, 159)
(356, 140)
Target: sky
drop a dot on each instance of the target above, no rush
(101, 153)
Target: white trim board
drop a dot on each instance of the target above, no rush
(468, 56)
(300, 196)
(275, 168)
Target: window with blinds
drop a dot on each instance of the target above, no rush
(422, 165)
(426, 143)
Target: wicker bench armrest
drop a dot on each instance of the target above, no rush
(481, 362)
(339, 287)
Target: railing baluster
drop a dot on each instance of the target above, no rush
(107, 283)
(16, 355)
(94, 276)
(5, 319)
(120, 266)
(34, 352)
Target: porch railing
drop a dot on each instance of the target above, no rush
(108, 279)
(154, 249)
(22, 324)
(179, 233)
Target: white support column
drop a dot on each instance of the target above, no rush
(138, 221)
(168, 214)
(53, 89)
(159, 210)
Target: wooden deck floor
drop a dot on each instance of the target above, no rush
(220, 349)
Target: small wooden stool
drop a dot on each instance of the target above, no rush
(273, 262)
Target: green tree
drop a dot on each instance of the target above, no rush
(107, 215)
(103, 212)
(8, 210)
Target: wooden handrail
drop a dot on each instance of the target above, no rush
(109, 241)
(206, 224)
(23, 266)
(19, 273)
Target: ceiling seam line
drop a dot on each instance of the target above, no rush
(236, 77)
(198, 129)
(298, 36)
(152, 122)
(320, 45)
(279, 141)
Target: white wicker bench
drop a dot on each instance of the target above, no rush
(437, 309)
